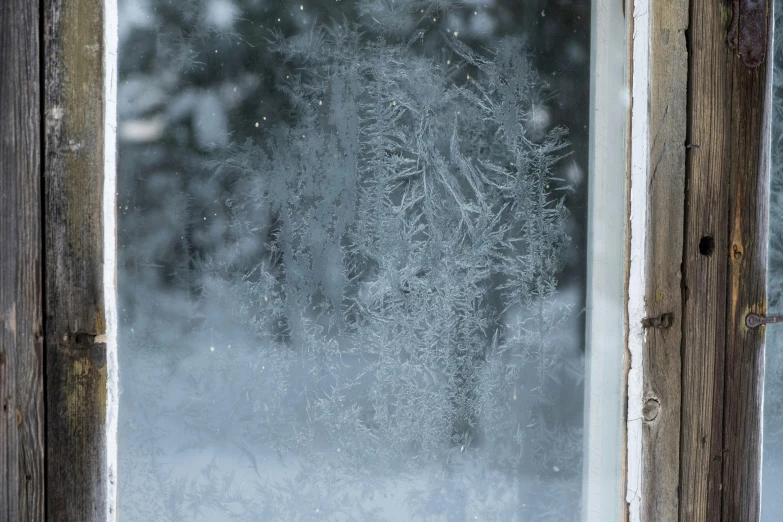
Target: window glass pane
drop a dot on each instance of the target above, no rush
(352, 250)
(772, 459)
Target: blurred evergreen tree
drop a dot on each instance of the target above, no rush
(213, 97)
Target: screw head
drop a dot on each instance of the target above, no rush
(753, 321)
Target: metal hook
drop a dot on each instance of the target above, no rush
(754, 320)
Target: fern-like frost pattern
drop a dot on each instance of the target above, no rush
(381, 334)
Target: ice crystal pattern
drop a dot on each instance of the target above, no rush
(772, 473)
(401, 323)
(412, 217)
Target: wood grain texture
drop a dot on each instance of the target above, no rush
(21, 336)
(73, 243)
(705, 275)
(747, 280)
(666, 193)
(724, 275)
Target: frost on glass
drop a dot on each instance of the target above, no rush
(344, 231)
(772, 460)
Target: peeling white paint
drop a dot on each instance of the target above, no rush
(638, 222)
(110, 32)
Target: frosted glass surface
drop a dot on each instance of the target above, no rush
(352, 249)
(772, 456)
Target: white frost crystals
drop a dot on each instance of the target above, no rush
(412, 215)
(390, 345)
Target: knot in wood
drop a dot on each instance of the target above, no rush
(651, 409)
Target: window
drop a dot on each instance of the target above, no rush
(353, 261)
(383, 260)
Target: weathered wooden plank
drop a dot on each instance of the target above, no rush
(666, 192)
(724, 274)
(21, 336)
(746, 293)
(74, 301)
(704, 262)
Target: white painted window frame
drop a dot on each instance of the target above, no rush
(606, 361)
(615, 276)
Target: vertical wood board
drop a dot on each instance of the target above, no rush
(663, 297)
(21, 336)
(746, 293)
(73, 242)
(724, 274)
(705, 274)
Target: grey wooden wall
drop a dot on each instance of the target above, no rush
(52, 363)
(708, 201)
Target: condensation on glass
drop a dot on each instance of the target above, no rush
(772, 457)
(352, 253)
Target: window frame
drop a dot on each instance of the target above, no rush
(695, 163)
(604, 480)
